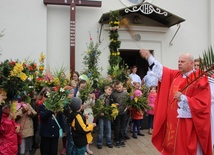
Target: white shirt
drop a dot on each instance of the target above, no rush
(150, 79)
(135, 78)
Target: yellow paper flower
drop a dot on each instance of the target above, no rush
(42, 58)
(18, 68)
(56, 81)
(13, 109)
(114, 106)
(110, 22)
(23, 76)
(114, 113)
(13, 73)
(41, 68)
(116, 22)
(135, 99)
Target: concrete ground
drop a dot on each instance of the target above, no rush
(140, 146)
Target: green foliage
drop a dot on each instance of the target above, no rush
(90, 61)
(85, 93)
(56, 100)
(17, 79)
(114, 58)
(119, 73)
(138, 103)
(102, 83)
(117, 69)
(102, 110)
(207, 61)
(60, 77)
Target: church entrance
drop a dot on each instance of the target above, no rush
(133, 58)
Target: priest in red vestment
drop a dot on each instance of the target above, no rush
(182, 114)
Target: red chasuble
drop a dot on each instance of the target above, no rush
(180, 136)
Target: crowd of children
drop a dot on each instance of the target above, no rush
(18, 136)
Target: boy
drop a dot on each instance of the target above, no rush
(81, 130)
(119, 97)
(103, 121)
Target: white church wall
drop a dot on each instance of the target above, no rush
(58, 28)
(193, 34)
(24, 24)
(211, 22)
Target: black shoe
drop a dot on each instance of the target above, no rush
(110, 145)
(99, 146)
(127, 137)
(122, 143)
(135, 137)
(117, 144)
(140, 134)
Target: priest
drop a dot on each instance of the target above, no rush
(182, 109)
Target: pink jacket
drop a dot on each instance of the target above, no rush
(8, 136)
(151, 101)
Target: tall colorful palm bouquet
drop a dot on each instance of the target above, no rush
(138, 99)
(17, 78)
(102, 110)
(56, 99)
(57, 96)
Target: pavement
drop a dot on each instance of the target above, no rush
(140, 146)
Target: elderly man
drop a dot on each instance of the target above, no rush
(182, 114)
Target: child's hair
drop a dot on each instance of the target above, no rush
(81, 82)
(108, 86)
(118, 83)
(150, 88)
(134, 67)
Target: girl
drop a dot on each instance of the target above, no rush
(25, 113)
(151, 99)
(137, 116)
(9, 132)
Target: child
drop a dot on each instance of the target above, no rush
(119, 97)
(128, 117)
(3, 96)
(137, 85)
(104, 122)
(49, 130)
(9, 131)
(81, 130)
(137, 116)
(151, 99)
(24, 117)
(87, 107)
(68, 146)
